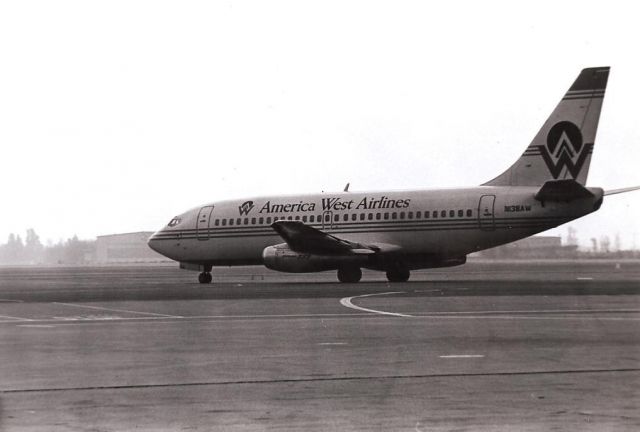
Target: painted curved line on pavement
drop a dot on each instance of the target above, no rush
(346, 302)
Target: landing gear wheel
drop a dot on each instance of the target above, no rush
(205, 278)
(398, 275)
(349, 274)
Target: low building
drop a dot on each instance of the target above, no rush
(532, 247)
(126, 248)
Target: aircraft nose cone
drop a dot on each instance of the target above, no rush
(154, 243)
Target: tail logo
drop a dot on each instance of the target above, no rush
(565, 149)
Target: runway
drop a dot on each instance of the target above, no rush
(502, 346)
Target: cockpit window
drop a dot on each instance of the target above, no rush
(175, 221)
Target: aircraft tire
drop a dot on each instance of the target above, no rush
(398, 275)
(205, 278)
(349, 274)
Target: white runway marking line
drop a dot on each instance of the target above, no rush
(15, 318)
(84, 320)
(522, 317)
(332, 343)
(36, 325)
(531, 311)
(584, 278)
(117, 310)
(346, 302)
(452, 356)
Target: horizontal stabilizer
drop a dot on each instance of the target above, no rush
(562, 190)
(623, 190)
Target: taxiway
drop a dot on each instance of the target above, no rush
(506, 346)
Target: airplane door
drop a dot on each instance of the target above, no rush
(202, 224)
(327, 220)
(486, 219)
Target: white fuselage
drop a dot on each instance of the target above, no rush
(445, 223)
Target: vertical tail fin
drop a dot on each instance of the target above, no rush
(562, 148)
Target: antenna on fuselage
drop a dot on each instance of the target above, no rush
(346, 188)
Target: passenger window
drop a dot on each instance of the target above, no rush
(401, 215)
(297, 218)
(361, 216)
(304, 218)
(230, 221)
(435, 213)
(216, 222)
(418, 214)
(224, 222)
(354, 217)
(312, 218)
(327, 218)
(253, 221)
(336, 218)
(238, 221)
(452, 213)
(460, 213)
(378, 216)
(394, 215)
(386, 216)
(469, 213)
(261, 221)
(443, 213)
(370, 216)
(345, 217)
(246, 221)
(410, 215)
(427, 214)
(290, 218)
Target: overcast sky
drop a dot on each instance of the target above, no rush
(115, 116)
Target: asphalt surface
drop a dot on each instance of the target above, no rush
(508, 346)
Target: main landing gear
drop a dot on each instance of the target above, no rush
(398, 275)
(349, 274)
(354, 274)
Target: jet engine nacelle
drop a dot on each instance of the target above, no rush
(281, 258)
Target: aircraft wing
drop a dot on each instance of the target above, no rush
(306, 239)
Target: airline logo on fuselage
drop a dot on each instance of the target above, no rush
(336, 204)
(246, 207)
(565, 149)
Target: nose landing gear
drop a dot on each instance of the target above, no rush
(205, 278)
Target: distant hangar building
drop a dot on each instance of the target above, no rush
(535, 247)
(126, 248)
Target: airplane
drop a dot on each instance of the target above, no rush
(400, 231)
